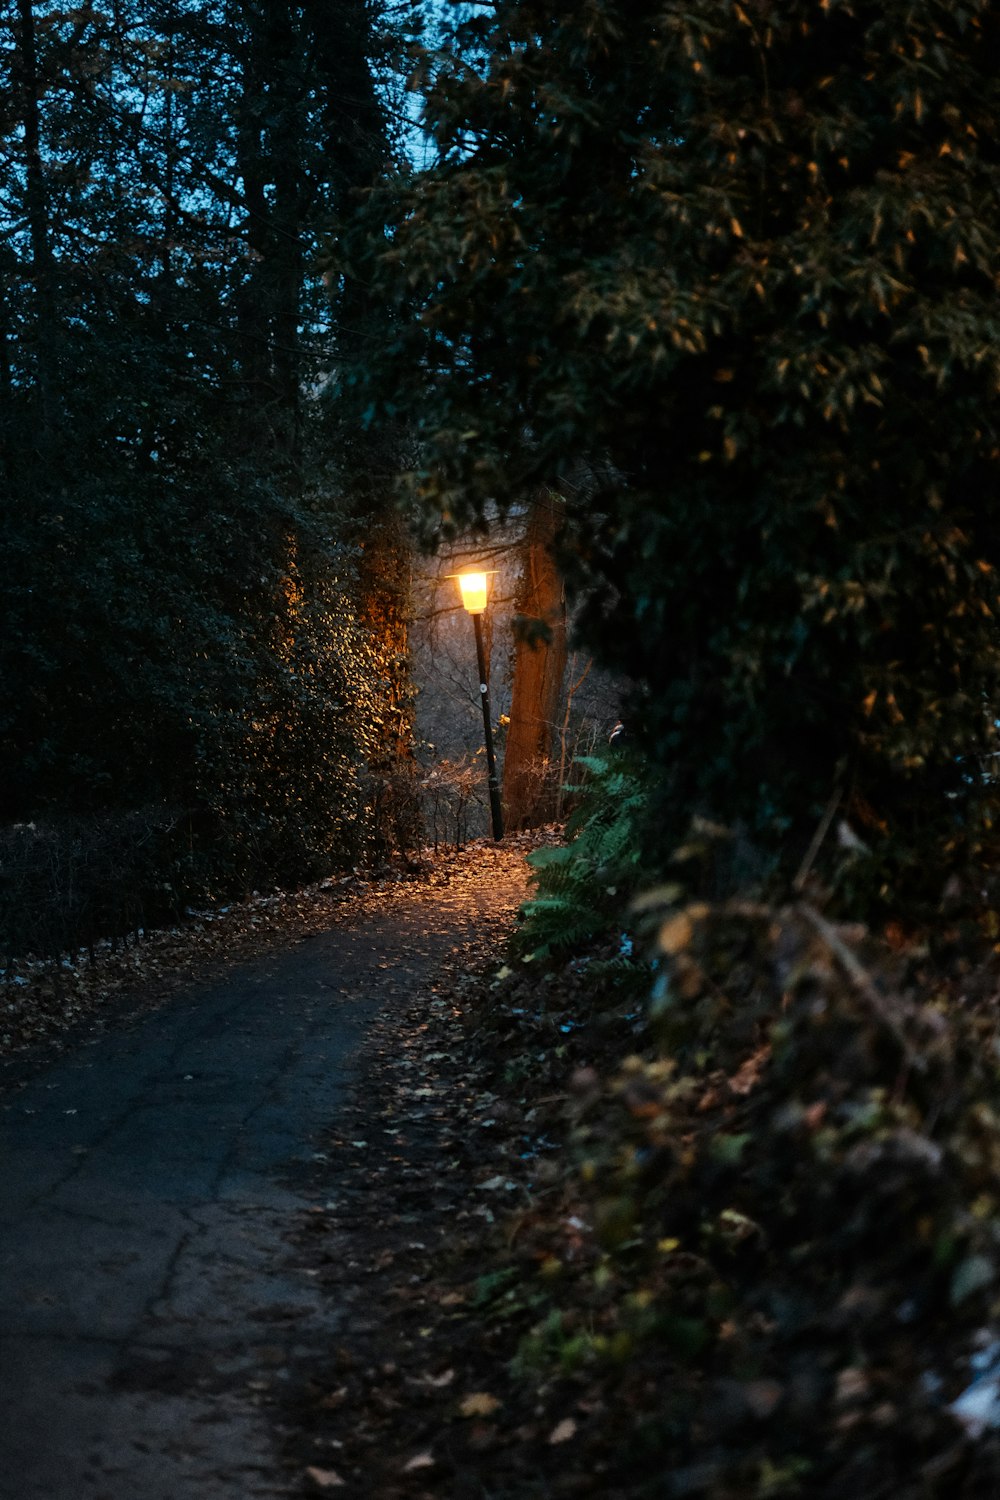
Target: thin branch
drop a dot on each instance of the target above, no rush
(861, 980)
(817, 840)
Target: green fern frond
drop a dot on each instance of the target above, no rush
(584, 886)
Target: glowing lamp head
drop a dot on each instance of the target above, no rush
(475, 587)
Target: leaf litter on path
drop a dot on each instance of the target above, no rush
(58, 1002)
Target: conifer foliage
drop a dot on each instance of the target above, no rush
(727, 274)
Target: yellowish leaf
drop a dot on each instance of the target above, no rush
(676, 933)
(661, 895)
(479, 1404)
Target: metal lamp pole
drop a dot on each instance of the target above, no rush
(474, 590)
(496, 811)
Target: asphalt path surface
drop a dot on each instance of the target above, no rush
(149, 1293)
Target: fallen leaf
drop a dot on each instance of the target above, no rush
(479, 1404)
(565, 1430)
(327, 1479)
(420, 1461)
(333, 1399)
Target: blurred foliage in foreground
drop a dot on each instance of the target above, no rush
(771, 1264)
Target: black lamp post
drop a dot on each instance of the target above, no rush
(475, 590)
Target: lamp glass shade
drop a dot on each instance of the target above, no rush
(475, 587)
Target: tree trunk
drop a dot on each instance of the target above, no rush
(271, 143)
(529, 788)
(44, 335)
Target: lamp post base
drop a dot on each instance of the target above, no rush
(496, 808)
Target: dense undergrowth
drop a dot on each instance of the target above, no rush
(787, 1261)
(785, 1276)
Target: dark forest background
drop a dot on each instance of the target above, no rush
(203, 665)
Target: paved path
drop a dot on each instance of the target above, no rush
(147, 1295)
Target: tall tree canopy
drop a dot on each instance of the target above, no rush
(184, 618)
(727, 274)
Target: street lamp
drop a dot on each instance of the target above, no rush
(475, 589)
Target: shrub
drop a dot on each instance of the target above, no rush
(584, 886)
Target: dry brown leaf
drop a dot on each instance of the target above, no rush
(479, 1404)
(748, 1075)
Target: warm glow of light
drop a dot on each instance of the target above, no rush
(475, 587)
